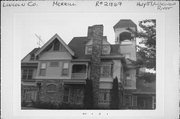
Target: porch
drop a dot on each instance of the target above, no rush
(79, 71)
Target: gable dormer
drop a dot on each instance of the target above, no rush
(54, 49)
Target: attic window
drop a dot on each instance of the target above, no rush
(32, 57)
(56, 46)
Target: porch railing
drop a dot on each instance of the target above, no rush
(79, 75)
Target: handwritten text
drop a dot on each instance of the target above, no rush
(158, 5)
(19, 4)
(108, 3)
(57, 3)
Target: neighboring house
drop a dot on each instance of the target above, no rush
(57, 72)
(145, 95)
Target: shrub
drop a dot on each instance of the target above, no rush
(115, 95)
(88, 95)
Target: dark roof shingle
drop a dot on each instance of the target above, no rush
(34, 51)
(124, 23)
(77, 44)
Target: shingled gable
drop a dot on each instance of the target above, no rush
(125, 23)
(56, 36)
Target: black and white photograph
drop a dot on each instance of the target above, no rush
(89, 59)
(91, 71)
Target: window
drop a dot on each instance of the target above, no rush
(128, 100)
(42, 69)
(65, 69)
(128, 80)
(29, 95)
(89, 49)
(51, 88)
(128, 76)
(106, 70)
(125, 36)
(104, 96)
(27, 74)
(56, 45)
(54, 64)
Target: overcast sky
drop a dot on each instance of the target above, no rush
(66, 25)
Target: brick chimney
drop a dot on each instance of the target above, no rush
(96, 33)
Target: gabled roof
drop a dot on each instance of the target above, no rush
(77, 44)
(124, 23)
(32, 52)
(56, 36)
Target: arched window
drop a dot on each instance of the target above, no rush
(51, 88)
(125, 36)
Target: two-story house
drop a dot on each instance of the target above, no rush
(57, 72)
